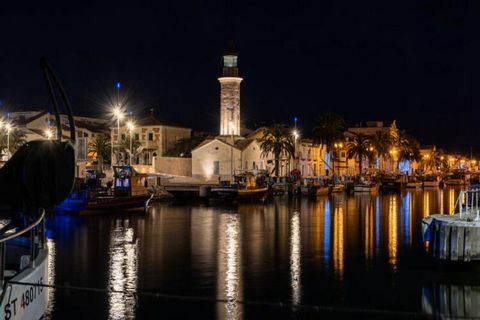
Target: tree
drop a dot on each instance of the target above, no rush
(183, 148)
(278, 140)
(381, 142)
(408, 148)
(359, 147)
(100, 148)
(15, 140)
(329, 129)
(125, 147)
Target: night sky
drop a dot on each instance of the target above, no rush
(413, 61)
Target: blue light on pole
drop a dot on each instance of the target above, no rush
(118, 85)
(295, 120)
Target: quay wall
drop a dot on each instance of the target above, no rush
(174, 166)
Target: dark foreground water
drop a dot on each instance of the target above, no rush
(348, 256)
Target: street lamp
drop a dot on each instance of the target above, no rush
(130, 127)
(119, 115)
(48, 134)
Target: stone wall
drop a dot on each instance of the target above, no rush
(174, 166)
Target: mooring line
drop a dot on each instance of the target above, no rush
(316, 308)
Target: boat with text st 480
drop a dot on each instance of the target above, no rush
(39, 175)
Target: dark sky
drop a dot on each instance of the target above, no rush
(414, 61)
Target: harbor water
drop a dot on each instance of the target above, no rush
(347, 255)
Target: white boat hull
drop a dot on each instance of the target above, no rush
(361, 189)
(27, 301)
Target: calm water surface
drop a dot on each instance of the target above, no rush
(349, 252)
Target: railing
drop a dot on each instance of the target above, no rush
(35, 233)
(470, 198)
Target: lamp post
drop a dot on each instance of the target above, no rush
(131, 127)
(118, 114)
(296, 135)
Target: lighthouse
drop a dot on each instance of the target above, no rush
(230, 93)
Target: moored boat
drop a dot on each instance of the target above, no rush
(390, 183)
(431, 181)
(322, 190)
(413, 183)
(27, 264)
(365, 184)
(129, 192)
(337, 188)
(456, 178)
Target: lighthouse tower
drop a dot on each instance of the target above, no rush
(230, 93)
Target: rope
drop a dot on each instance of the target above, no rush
(316, 308)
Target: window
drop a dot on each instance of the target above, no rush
(229, 61)
(216, 167)
(123, 136)
(137, 137)
(150, 136)
(253, 165)
(246, 165)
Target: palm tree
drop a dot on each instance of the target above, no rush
(16, 139)
(359, 147)
(381, 142)
(277, 140)
(125, 146)
(329, 130)
(408, 147)
(100, 148)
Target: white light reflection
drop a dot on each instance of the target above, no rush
(50, 279)
(123, 267)
(229, 267)
(295, 258)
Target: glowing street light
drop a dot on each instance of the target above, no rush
(48, 134)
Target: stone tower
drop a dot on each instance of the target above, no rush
(230, 93)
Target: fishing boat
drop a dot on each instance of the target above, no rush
(129, 192)
(251, 187)
(322, 190)
(39, 175)
(365, 184)
(456, 178)
(413, 183)
(337, 188)
(390, 183)
(25, 260)
(431, 181)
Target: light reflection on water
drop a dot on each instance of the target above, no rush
(338, 238)
(229, 281)
(123, 265)
(286, 250)
(295, 258)
(51, 279)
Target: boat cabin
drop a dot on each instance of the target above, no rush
(128, 182)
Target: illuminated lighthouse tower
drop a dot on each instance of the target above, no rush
(230, 94)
